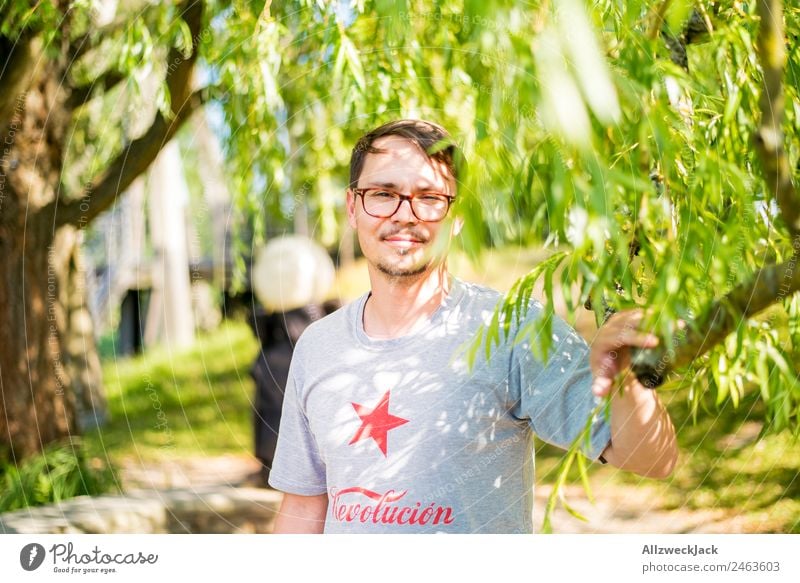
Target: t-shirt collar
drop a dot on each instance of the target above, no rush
(441, 313)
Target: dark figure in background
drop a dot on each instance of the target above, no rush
(277, 332)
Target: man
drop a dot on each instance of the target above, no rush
(385, 428)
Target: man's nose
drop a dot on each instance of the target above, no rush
(404, 213)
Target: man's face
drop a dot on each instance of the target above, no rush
(401, 245)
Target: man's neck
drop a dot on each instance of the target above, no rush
(400, 305)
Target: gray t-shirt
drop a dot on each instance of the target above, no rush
(404, 438)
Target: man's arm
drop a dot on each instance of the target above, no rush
(642, 435)
(301, 514)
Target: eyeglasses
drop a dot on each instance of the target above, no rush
(383, 203)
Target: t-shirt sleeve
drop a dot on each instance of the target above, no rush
(556, 397)
(297, 467)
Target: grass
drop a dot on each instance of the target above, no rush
(753, 483)
(195, 403)
(62, 471)
(161, 406)
(728, 467)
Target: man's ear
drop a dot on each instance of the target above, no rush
(351, 208)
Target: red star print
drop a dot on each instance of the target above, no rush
(376, 423)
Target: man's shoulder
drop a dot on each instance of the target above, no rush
(483, 300)
(480, 293)
(336, 324)
(478, 299)
(490, 295)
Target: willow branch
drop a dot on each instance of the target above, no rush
(83, 44)
(772, 283)
(657, 18)
(137, 156)
(83, 93)
(768, 286)
(134, 159)
(769, 136)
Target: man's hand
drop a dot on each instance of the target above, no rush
(642, 434)
(610, 353)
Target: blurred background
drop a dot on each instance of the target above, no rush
(172, 217)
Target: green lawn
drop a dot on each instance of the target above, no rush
(723, 466)
(198, 402)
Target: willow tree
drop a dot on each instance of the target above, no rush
(648, 143)
(651, 143)
(69, 149)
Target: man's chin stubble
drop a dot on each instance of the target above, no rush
(405, 272)
(393, 271)
(400, 272)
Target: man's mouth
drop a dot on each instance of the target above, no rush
(403, 241)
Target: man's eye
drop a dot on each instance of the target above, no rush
(382, 194)
(430, 198)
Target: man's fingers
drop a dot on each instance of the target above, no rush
(610, 341)
(601, 386)
(610, 350)
(628, 316)
(608, 365)
(643, 339)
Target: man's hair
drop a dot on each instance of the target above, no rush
(434, 141)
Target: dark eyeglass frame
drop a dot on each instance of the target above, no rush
(400, 199)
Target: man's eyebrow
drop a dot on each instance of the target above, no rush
(381, 185)
(423, 188)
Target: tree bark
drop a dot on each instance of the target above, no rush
(36, 404)
(81, 358)
(47, 347)
(769, 136)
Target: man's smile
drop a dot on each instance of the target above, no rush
(403, 241)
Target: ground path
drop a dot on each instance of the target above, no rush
(617, 509)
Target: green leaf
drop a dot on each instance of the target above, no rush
(777, 357)
(183, 40)
(719, 368)
(354, 63)
(763, 375)
(677, 14)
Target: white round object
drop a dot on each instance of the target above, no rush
(290, 272)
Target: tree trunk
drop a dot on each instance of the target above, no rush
(37, 406)
(37, 100)
(82, 360)
(36, 402)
